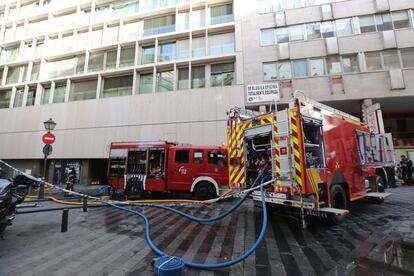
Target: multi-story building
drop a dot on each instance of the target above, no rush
(170, 69)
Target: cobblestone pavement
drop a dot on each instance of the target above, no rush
(376, 239)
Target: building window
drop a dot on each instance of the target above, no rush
(96, 39)
(269, 71)
(145, 85)
(66, 42)
(8, 33)
(20, 33)
(59, 93)
(53, 44)
(111, 34)
(183, 48)
(222, 74)
(183, 78)
(327, 29)
(384, 22)
(350, 63)
(5, 97)
(367, 24)
(40, 45)
(197, 77)
(118, 86)
(167, 52)
(102, 12)
(80, 64)
(296, 33)
(407, 56)
(13, 75)
(64, 21)
(221, 14)
(127, 57)
(37, 27)
(130, 31)
(317, 67)
(111, 59)
(18, 98)
(199, 47)
(373, 60)
(82, 39)
(267, 37)
(343, 27)
(221, 44)
(300, 68)
(27, 50)
(148, 55)
(183, 21)
(9, 54)
(401, 19)
(83, 90)
(31, 96)
(95, 62)
(198, 19)
(85, 16)
(333, 64)
(282, 35)
(159, 25)
(45, 95)
(165, 81)
(284, 70)
(35, 71)
(391, 59)
(61, 68)
(313, 30)
(1, 75)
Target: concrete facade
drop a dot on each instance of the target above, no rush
(197, 116)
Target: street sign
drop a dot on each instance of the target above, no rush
(47, 150)
(48, 138)
(267, 92)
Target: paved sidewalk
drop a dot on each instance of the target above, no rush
(376, 239)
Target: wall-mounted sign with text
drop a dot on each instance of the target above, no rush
(258, 93)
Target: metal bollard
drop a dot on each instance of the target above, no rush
(85, 204)
(65, 217)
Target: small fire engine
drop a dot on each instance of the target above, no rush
(136, 167)
(320, 158)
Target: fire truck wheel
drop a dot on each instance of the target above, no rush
(204, 190)
(134, 187)
(339, 200)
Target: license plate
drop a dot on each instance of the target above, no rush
(281, 196)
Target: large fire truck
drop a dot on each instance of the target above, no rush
(137, 167)
(320, 158)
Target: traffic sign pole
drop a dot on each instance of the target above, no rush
(48, 138)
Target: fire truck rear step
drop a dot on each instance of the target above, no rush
(335, 211)
(378, 195)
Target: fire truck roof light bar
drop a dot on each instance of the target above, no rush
(302, 97)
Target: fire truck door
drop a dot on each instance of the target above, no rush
(156, 170)
(216, 166)
(180, 172)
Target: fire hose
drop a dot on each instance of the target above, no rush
(166, 262)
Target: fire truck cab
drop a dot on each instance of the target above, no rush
(320, 158)
(137, 167)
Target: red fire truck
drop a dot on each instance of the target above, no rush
(136, 167)
(321, 159)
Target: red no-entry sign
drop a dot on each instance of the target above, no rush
(48, 138)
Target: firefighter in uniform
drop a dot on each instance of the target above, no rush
(70, 180)
(406, 169)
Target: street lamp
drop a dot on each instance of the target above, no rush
(48, 139)
(49, 125)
